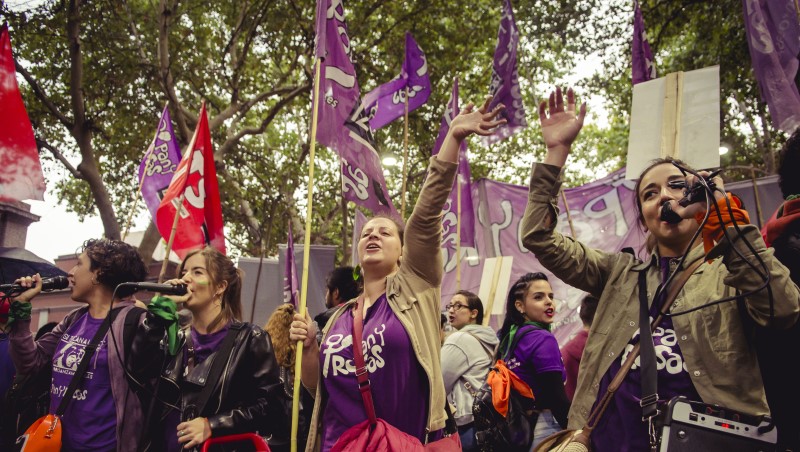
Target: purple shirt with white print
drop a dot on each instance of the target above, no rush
(399, 384)
(537, 352)
(621, 427)
(90, 420)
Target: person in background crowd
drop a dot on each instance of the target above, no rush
(536, 359)
(710, 358)
(340, 287)
(776, 348)
(442, 326)
(466, 358)
(571, 352)
(246, 395)
(402, 278)
(108, 414)
(285, 350)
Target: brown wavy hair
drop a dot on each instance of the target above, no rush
(278, 328)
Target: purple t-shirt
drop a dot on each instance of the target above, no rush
(90, 421)
(621, 427)
(204, 346)
(400, 389)
(537, 352)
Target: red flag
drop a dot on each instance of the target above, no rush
(200, 219)
(21, 176)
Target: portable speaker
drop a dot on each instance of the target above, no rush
(695, 426)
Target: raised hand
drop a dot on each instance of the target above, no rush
(560, 124)
(480, 122)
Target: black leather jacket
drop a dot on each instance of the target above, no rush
(247, 396)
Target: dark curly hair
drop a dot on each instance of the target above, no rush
(116, 262)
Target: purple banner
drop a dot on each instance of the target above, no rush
(644, 67)
(290, 285)
(773, 35)
(450, 212)
(342, 124)
(505, 80)
(159, 164)
(603, 215)
(386, 103)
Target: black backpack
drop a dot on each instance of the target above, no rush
(512, 433)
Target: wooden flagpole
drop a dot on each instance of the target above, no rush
(405, 158)
(493, 290)
(569, 215)
(165, 262)
(298, 362)
(458, 232)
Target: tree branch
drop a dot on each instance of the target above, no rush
(41, 144)
(42, 96)
(243, 108)
(167, 82)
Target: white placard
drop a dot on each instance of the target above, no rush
(495, 269)
(696, 122)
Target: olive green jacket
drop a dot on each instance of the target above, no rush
(717, 355)
(414, 294)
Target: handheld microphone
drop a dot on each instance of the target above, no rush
(669, 215)
(48, 284)
(166, 289)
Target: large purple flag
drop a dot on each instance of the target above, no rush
(505, 79)
(342, 123)
(450, 212)
(290, 285)
(644, 67)
(773, 34)
(159, 164)
(386, 103)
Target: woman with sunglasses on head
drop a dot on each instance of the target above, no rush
(702, 348)
(400, 306)
(244, 398)
(104, 412)
(466, 357)
(531, 351)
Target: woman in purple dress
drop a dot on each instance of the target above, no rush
(402, 273)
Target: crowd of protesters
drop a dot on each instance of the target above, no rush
(155, 384)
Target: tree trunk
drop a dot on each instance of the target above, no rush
(150, 241)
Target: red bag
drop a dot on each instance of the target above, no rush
(374, 434)
(258, 442)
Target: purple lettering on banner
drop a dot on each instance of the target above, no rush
(386, 103)
(643, 65)
(505, 79)
(773, 35)
(450, 211)
(159, 164)
(342, 124)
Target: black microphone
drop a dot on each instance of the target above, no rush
(669, 215)
(166, 289)
(48, 284)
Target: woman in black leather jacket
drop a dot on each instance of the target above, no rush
(245, 397)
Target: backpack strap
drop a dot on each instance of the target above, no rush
(522, 332)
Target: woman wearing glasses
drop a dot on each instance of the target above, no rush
(466, 357)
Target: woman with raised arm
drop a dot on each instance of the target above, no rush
(402, 276)
(703, 354)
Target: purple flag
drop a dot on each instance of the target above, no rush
(450, 211)
(290, 285)
(773, 34)
(159, 164)
(644, 68)
(342, 124)
(386, 103)
(505, 80)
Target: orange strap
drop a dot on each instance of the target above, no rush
(712, 231)
(502, 380)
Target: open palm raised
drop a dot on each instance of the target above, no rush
(480, 121)
(560, 123)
